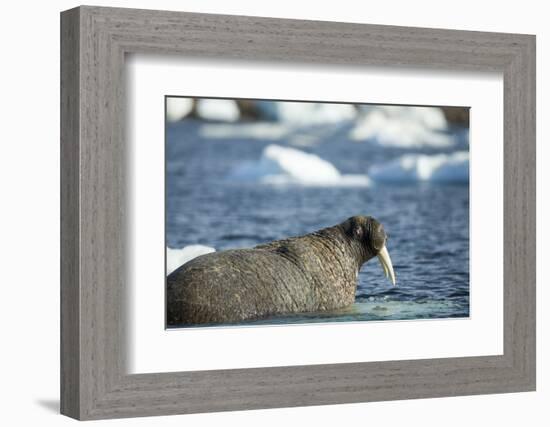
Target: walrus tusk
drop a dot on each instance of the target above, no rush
(385, 269)
(385, 261)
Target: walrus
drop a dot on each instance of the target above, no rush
(313, 272)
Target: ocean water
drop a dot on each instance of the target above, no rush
(427, 220)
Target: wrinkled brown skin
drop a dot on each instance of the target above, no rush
(314, 272)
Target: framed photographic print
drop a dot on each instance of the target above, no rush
(261, 213)
(243, 172)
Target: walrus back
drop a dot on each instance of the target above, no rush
(236, 285)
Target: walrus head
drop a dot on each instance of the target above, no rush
(369, 236)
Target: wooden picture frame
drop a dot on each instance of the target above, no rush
(94, 41)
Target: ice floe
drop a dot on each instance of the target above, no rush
(178, 108)
(402, 127)
(222, 110)
(283, 165)
(293, 120)
(307, 113)
(177, 257)
(445, 168)
(257, 130)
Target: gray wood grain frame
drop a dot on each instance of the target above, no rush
(94, 379)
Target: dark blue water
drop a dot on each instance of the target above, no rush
(428, 223)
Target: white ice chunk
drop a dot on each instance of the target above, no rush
(403, 127)
(222, 110)
(451, 168)
(283, 166)
(178, 108)
(178, 257)
(309, 113)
